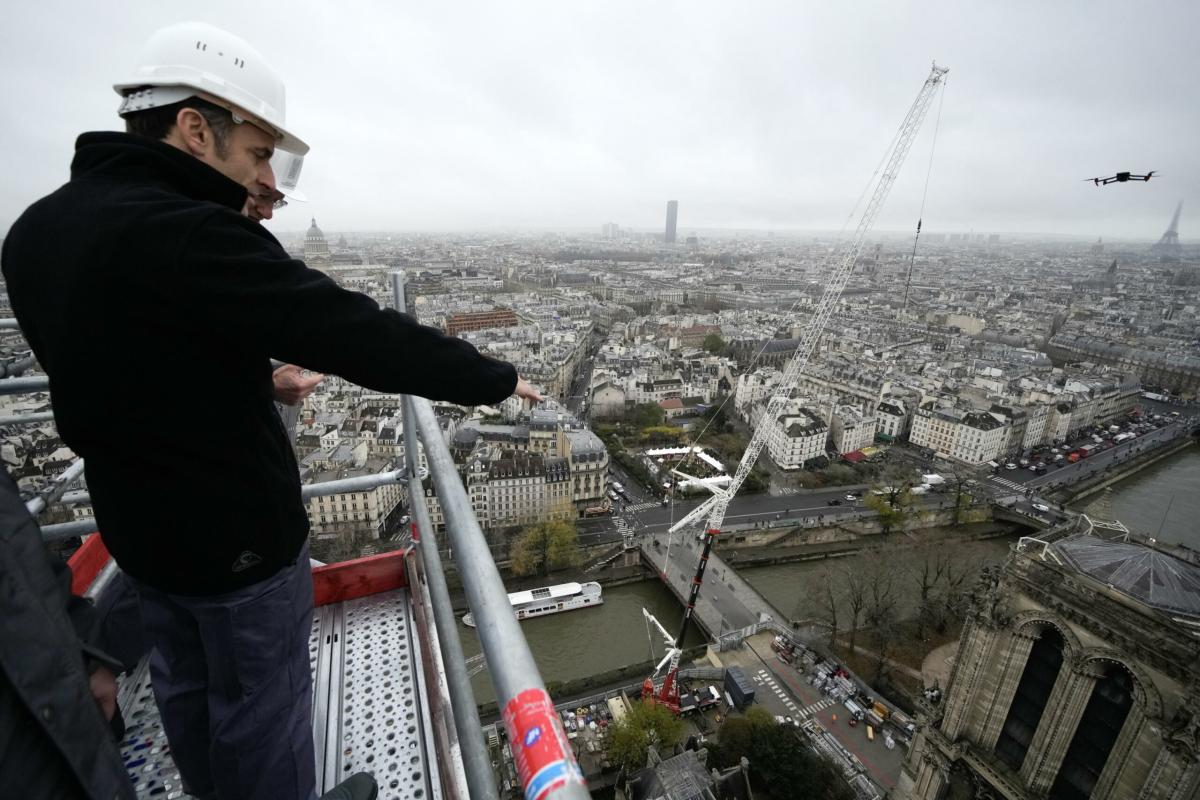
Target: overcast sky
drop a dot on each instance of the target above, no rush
(478, 115)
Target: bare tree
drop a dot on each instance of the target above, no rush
(822, 594)
(881, 611)
(962, 498)
(856, 600)
(962, 566)
(925, 571)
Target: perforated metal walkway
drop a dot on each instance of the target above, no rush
(370, 710)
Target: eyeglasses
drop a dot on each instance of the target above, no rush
(265, 197)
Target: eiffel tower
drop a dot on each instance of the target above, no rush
(1168, 246)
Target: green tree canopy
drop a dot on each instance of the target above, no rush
(646, 724)
(647, 415)
(839, 475)
(713, 343)
(546, 546)
(892, 511)
(781, 765)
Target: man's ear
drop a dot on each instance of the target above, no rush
(193, 131)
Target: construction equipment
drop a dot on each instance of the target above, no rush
(668, 694)
(842, 260)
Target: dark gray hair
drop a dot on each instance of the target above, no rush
(156, 123)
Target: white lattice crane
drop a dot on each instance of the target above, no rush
(842, 265)
(668, 695)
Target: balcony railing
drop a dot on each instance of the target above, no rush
(545, 763)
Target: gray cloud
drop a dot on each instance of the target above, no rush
(543, 115)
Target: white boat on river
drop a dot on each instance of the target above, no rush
(550, 600)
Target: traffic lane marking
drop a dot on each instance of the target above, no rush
(876, 773)
(842, 731)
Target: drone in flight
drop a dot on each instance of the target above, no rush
(1120, 177)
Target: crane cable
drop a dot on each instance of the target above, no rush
(925, 193)
(829, 259)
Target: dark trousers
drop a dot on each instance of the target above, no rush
(232, 681)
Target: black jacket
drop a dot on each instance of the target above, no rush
(54, 743)
(155, 306)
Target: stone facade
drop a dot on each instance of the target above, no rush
(1066, 686)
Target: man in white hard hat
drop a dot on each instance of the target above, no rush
(141, 286)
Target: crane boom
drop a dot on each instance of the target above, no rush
(842, 259)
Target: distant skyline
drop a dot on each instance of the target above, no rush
(547, 116)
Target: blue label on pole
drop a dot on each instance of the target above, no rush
(533, 735)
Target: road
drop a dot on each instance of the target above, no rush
(1064, 473)
(784, 691)
(646, 514)
(642, 514)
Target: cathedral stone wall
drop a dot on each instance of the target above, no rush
(1155, 752)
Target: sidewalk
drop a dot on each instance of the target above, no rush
(939, 664)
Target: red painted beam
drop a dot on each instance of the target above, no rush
(346, 580)
(86, 563)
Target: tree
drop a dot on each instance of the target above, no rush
(926, 570)
(962, 498)
(855, 598)
(892, 512)
(713, 343)
(779, 764)
(960, 572)
(647, 415)
(546, 546)
(646, 724)
(757, 481)
(716, 414)
(759, 716)
(663, 433)
(880, 609)
(896, 479)
(735, 739)
(839, 475)
(822, 593)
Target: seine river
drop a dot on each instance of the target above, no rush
(585, 642)
(592, 640)
(1162, 500)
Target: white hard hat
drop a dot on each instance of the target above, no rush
(193, 59)
(286, 167)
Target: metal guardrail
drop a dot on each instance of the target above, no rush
(55, 490)
(37, 383)
(476, 761)
(27, 419)
(80, 527)
(545, 763)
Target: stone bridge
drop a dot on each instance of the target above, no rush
(726, 602)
